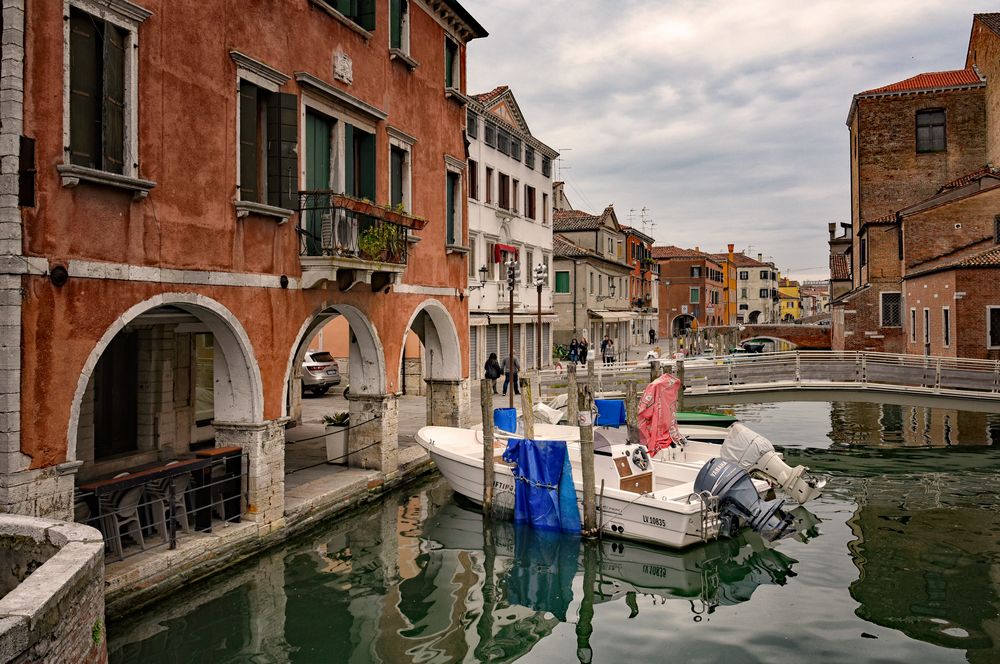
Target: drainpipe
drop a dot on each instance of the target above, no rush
(576, 287)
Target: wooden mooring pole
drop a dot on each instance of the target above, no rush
(680, 377)
(571, 393)
(632, 411)
(527, 412)
(486, 403)
(585, 405)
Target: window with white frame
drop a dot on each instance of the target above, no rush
(453, 201)
(452, 64)
(927, 325)
(400, 171)
(473, 267)
(695, 297)
(562, 281)
(892, 309)
(993, 327)
(473, 180)
(946, 327)
(100, 123)
(399, 25)
(744, 275)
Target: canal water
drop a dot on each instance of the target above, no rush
(899, 561)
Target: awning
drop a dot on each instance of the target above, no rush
(499, 249)
(612, 315)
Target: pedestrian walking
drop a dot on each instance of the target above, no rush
(507, 375)
(608, 350)
(584, 349)
(492, 371)
(652, 336)
(574, 351)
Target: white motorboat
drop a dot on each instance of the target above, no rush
(670, 504)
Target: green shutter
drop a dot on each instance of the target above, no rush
(113, 115)
(282, 150)
(85, 90)
(396, 23)
(366, 163)
(562, 282)
(452, 201)
(449, 64)
(397, 159)
(319, 130)
(249, 149)
(365, 14)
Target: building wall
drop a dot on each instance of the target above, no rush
(754, 284)
(967, 293)
(984, 53)
(944, 230)
(675, 287)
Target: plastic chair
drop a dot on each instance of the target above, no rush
(119, 511)
(159, 498)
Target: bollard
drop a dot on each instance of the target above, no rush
(586, 422)
(527, 411)
(486, 403)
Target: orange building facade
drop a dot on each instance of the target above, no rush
(191, 191)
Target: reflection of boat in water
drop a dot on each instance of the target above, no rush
(719, 573)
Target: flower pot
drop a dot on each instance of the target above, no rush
(336, 444)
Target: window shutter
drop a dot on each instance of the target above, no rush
(350, 187)
(26, 173)
(452, 199)
(282, 150)
(397, 157)
(85, 91)
(249, 149)
(396, 23)
(366, 164)
(113, 102)
(366, 14)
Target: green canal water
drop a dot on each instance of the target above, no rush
(899, 561)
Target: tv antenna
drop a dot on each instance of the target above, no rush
(559, 163)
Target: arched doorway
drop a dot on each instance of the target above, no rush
(682, 324)
(158, 381)
(753, 318)
(432, 339)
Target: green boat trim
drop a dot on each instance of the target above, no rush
(706, 419)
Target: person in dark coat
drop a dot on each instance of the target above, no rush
(584, 348)
(574, 351)
(507, 377)
(492, 370)
(652, 336)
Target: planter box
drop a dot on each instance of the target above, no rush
(336, 444)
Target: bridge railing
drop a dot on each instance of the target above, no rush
(807, 369)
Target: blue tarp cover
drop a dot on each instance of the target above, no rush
(505, 419)
(544, 496)
(610, 412)
(541, 574)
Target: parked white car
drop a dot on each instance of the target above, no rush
(319, 372)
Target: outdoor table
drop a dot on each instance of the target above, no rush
(232, 459)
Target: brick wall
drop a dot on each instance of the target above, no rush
(966, 293)
(984, 53)
(945, 229)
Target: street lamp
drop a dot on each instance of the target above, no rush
(611, 289)
(483, 272)
(541, 276)
(513, 277)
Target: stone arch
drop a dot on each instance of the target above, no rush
(436, 330)
(753, 318)
(239, 393)
(366, 354)
(680, 323)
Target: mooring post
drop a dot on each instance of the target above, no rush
(654, 370)
(585, 622)
(527, 410)
(571, 395)
(586, 419)
(680, 377)
(486, 403)
(632, 412)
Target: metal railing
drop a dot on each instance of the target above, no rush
(332, 229)
(806, 369)
(140, 512)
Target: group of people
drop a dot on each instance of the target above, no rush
(578, 350)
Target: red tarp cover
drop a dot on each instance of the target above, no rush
(658, 414)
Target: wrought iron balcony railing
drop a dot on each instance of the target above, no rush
(341, 226)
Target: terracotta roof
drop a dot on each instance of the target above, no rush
(487, 97)
(671, 251)
(936, 80)
(574, 220)
(988, 258)
(967, 179)
(840, 269)
(885, 220)
(563, 247)
(742, 260)
(991, 21)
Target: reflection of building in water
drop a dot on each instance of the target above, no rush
(894, 425)
(923, 552)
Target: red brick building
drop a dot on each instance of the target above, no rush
(194, 196)
(642, 283)
(920, 206)
(691, 290)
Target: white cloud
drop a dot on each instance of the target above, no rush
(725, 118)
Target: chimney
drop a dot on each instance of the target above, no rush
(729, 248)
(697, 248)
(760, 257)
(832, 228)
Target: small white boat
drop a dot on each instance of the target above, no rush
(659, 503)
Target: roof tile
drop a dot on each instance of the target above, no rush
(840, 269)
(957, 78)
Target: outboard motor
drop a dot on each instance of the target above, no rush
(753, 452)
(739, 502)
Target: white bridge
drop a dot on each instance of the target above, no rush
(802, 370)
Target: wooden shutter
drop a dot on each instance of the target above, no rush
(249, 147)
(26, 173)
(396, 9)
(85, 90)
(282, 150)
(365, 14)
(453, 198)
(397, 158)
(113, 99)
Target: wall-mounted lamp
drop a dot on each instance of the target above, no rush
(611, 288)
(483, 272)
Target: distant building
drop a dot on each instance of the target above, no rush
(730, 291)
(510, 208)
(756, 290)
(924, 234)
(691, 285)
(790, 299)
(643, 293)
(815, 297)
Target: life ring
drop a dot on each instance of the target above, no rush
(640, 457)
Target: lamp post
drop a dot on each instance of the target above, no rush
(541, 275)
(483, 272)
(513, 275)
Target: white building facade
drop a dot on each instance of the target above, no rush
(757, 291)
(510, 217)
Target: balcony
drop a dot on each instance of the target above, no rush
(351, 242)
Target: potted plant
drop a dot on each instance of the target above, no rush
(336, 436)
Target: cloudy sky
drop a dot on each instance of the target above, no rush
(725, 119)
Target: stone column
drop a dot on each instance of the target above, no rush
(448, 403)
(372, 440)
(264, 444)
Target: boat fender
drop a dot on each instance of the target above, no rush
(640, 458)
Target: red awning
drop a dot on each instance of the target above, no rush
(499, 249)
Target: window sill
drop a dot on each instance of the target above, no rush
(247, 208)
(398, 54)
(342, 18)
(413, 239)
(455, 249)
(456, 96)
(72, 175)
